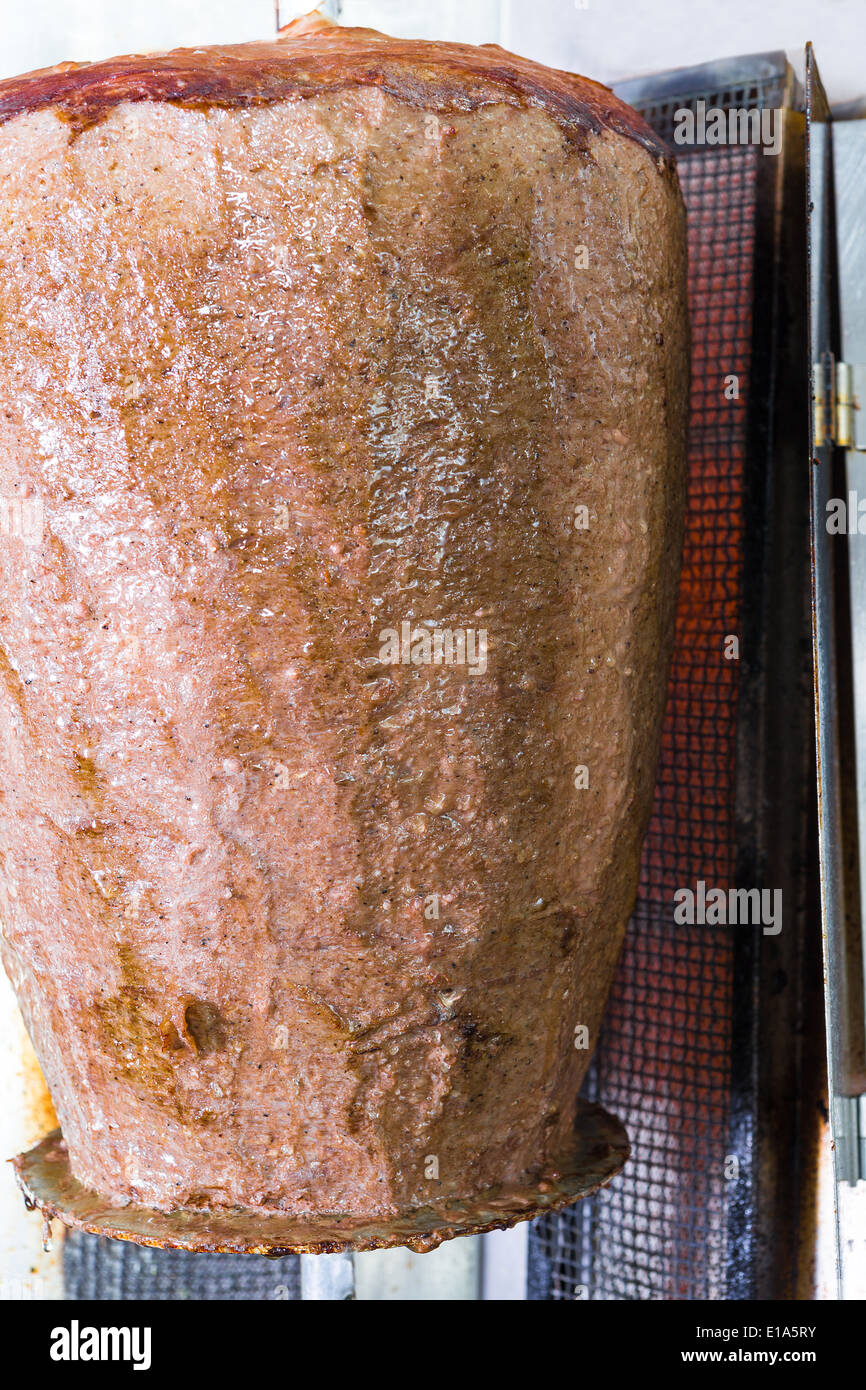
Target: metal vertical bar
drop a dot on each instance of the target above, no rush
(504, 1260)
(330, 9)
(823, 340)
(329, 1277)
(777, 1056)
(849, 155)
(846, 996)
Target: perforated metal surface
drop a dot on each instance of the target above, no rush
(663, 1064)
(94, 1268)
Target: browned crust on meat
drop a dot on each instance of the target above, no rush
(310, 58)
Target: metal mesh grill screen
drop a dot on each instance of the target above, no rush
(663, 1062)
(113, 1269)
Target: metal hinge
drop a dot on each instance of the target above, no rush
(837, 388)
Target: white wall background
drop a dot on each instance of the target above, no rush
(606, 39)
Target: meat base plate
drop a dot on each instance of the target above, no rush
(600, 1151)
